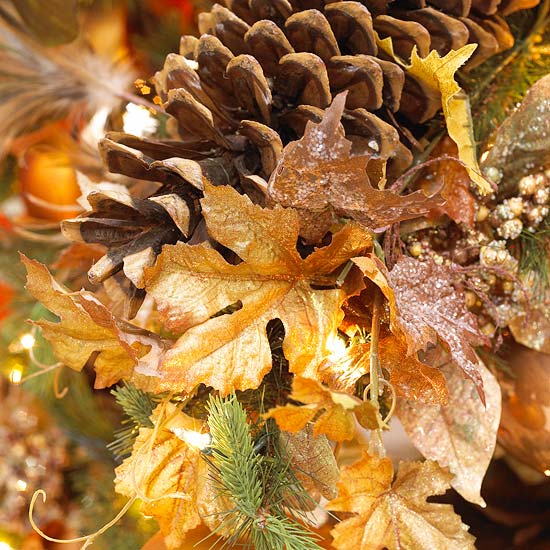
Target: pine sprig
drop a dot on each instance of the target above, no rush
(534, 260)
(138, 407)
(251, 482)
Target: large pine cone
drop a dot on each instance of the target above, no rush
(262, 68)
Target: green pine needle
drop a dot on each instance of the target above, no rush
(138, 407)
(255, 483)
(534, 259)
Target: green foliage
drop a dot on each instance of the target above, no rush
(259, 485)
(138, 407)
(500, 83)
(534, 256)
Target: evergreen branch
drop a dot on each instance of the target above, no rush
(500, 83)
(534, 248)
(254, 483)
(138, 407)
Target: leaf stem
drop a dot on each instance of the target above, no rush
(376, 446)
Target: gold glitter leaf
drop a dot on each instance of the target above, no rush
(438, 73)
(396, 515)
(87, 329)
(166, 473)
(336, 419)
(192, 284)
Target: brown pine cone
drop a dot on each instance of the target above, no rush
(262, 68)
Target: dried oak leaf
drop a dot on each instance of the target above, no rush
(312, 460)
(461, 435)
(166, 473)
(337, 411)
(191, 284)
(438, 73)
(396, 515)
(426, 307)
(318, 174)
(87, 330)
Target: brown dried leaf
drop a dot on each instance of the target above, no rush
(396, 516)
(319, 172)
(461, 435)
(425, 307)
(312, 460)
(191, 284)
(87, 329)
(166, 473)
(336, 419)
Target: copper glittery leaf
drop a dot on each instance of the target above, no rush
(166, 473)
(88, 331)
(411, 378)
(425, 307)
(336, 419)
(460, 435)
(396, 515)
(319, 173)
(191, 284)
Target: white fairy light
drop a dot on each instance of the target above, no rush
(336, 347)
(138, 120)
(193, 438)
(27, 340)
(16, 373)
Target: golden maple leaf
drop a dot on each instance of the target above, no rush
(193, 284)
(338, 410)
(396, 515)
(167, 473)
(87, 328)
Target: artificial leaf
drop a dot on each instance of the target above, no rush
(426, 307)
(191, 284)
(312, 460)
(318, 174)
(166, 473)
(460, 435)
(87, 329)
(522, 142)
(411, 378)
(453, 180)
(396, 515)
(336, 419)
(532, 329)
(439, 74)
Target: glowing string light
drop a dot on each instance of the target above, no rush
(27, 341)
